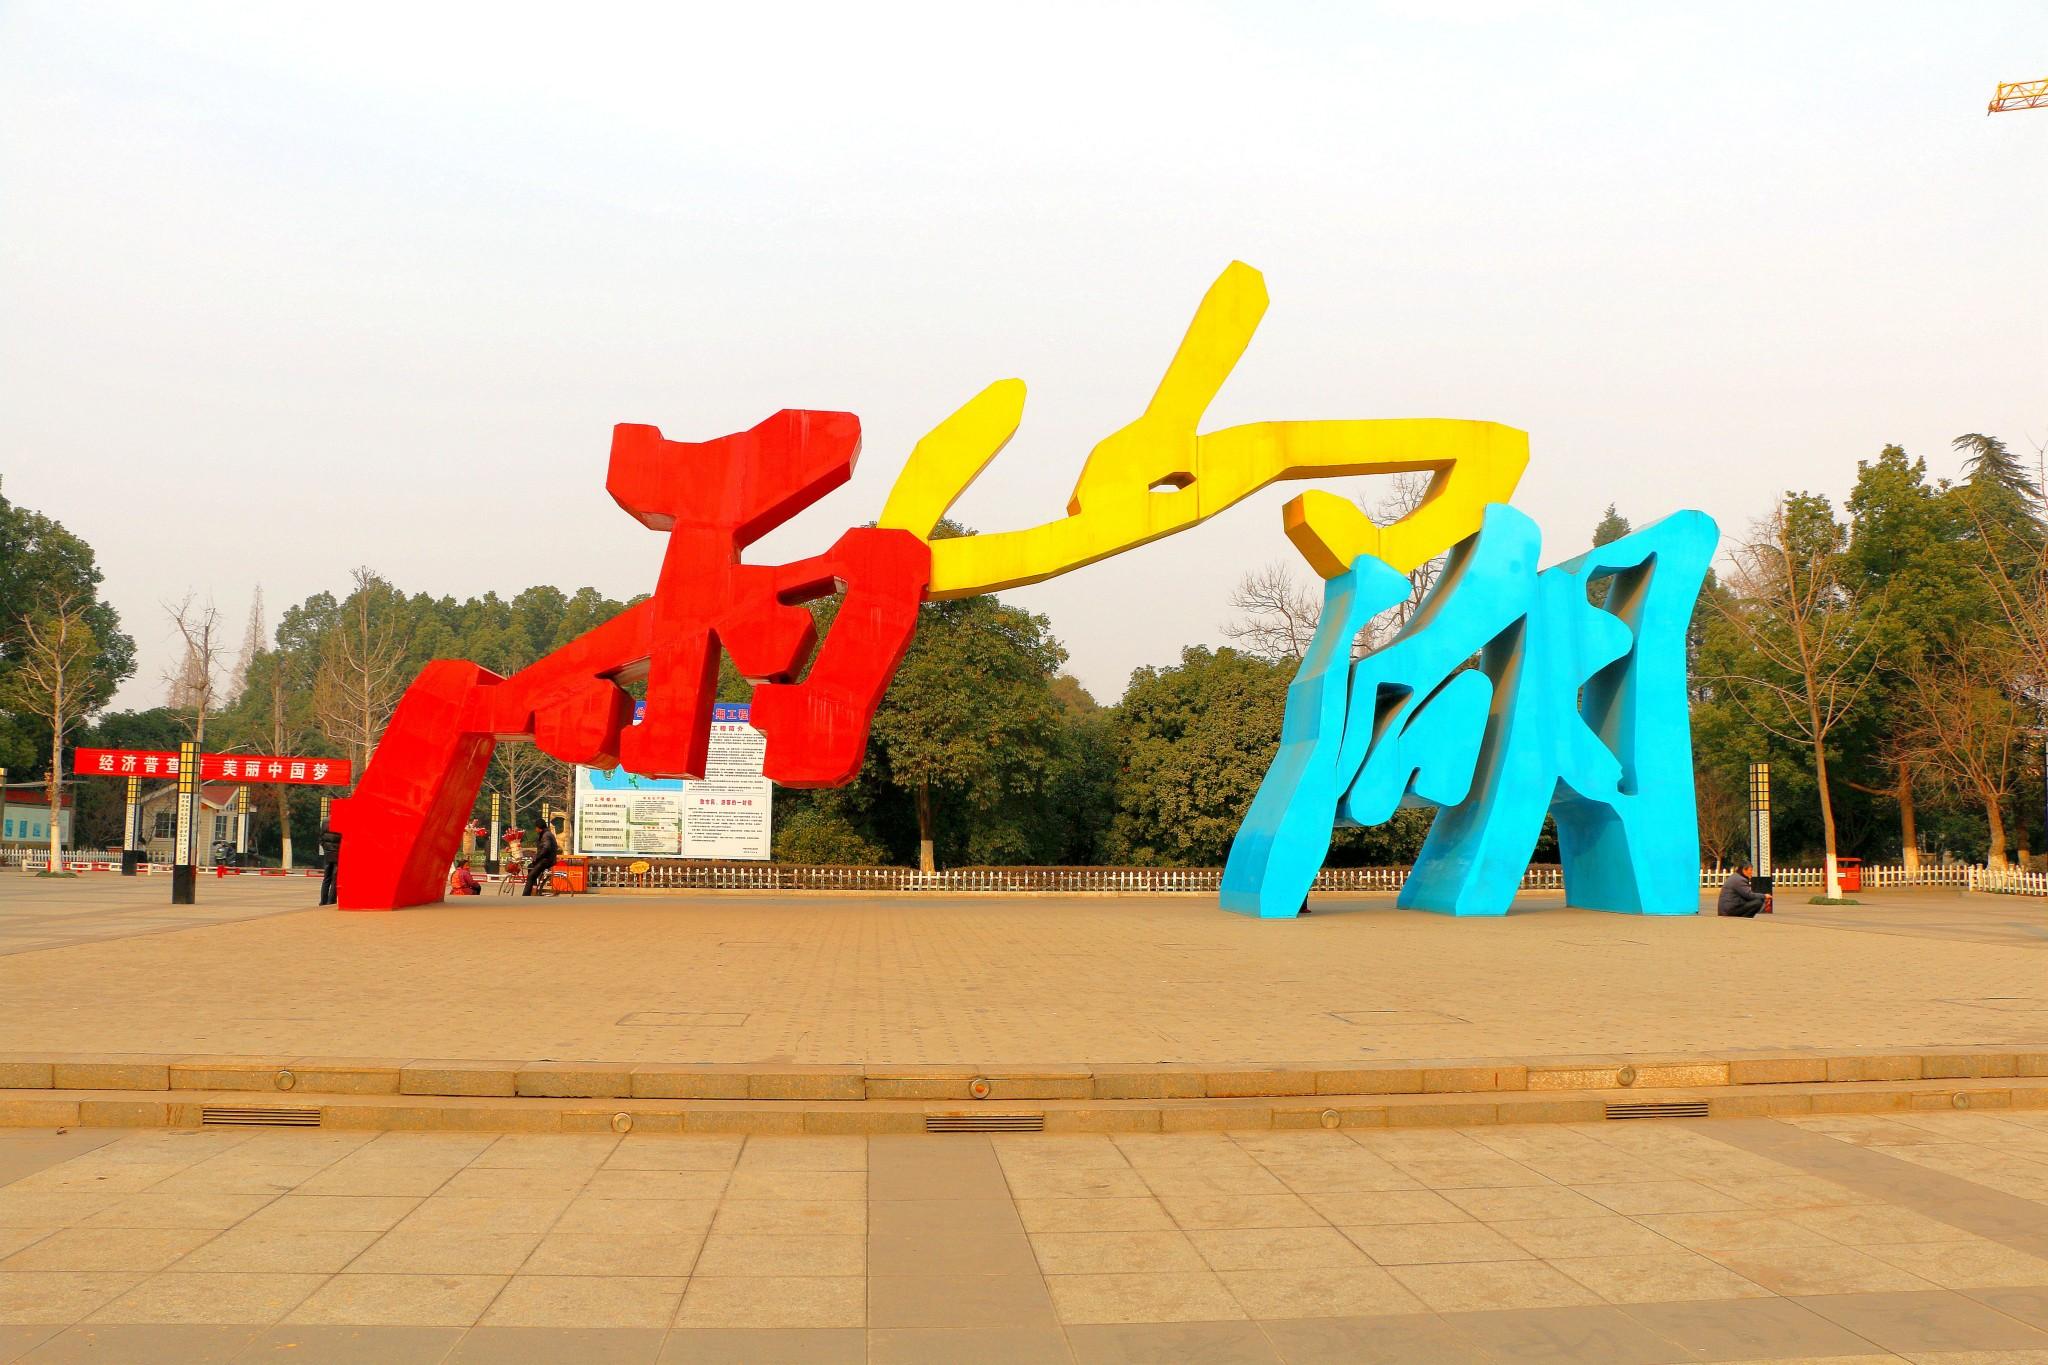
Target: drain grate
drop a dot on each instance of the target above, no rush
(258, 1116)
(1659, 1109)
(984, 1123)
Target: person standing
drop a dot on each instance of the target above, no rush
(330, 860)
(546, 848)
(1739, 899)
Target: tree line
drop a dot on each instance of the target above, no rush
(1887, 660)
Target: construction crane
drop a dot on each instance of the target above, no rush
(2019, 95)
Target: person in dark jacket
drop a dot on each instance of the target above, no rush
(1738, 897)
(330, 858)
(545, 850)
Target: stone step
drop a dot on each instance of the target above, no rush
(191, 1108)
(548, 1079)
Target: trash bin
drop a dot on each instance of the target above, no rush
(1849, 872)
(572, 875)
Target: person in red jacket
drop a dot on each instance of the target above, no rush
(464, 882)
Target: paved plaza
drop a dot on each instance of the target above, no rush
(1850, 1239)
(104, 966)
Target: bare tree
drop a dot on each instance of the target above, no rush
(1404, 495)
(1808, 636)
(360, 675)
(284, 737)
(1723, 813)
(525, 777)
(1278, 614)
(55, 655)
(1967, 729)
(195, 683)
(252, 645)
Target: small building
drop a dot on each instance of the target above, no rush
(25, 815)
(157, 812)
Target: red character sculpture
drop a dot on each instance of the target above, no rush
(714, 498)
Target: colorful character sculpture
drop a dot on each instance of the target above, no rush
(1574, 710)
(1156, 476)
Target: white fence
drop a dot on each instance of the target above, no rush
(2008, 881)
(677, 875)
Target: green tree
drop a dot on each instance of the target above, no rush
(40, 561)
(1192, 744)
(971, 722)
(1988, 464)
(1613, 526)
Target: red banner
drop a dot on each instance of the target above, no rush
(287, 768)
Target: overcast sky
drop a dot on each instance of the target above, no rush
(369, 284)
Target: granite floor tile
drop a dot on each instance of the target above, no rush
(1679, 1275)
(400, 1300)
(1403, 1339)
(1353, 1291)
(331, 1213)
(18, 1339)
(956, 1251)
(1568, 1336)
(480, 1252)
(980, 1345)
(845, 1216)
(141, 1249)
(282, 1250)
(307, 1343)
(1096, 1253)
(1522, 1203)
(1492, 1285)
(583, 1253)
(958, 1301)
(1198, 1297)
(1975, 1264)
(1818, 1270)
(1610, 1235)
(1434, 1243)
(745, 1253)
(1276, 1249)
(1144, 1214)
(586, 1301)
(1171, 1343)
(60, 1296)
(1387, 1207)
(753, 1346)
(158, 1344)
(768, 1301)
(675, 1153)
(488, 1345)
(1749, 1329)
(1929, 1320)
(617, 1217)
(177, 1296)
(1240, 1211)
(1660, 1196)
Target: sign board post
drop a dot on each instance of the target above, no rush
(728, 814)
(241, 823)
(185, 867)
(131, 829)
(491, 849)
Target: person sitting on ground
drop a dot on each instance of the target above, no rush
(1738, 897)
(464, 882)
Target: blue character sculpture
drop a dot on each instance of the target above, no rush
(1509, 695)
